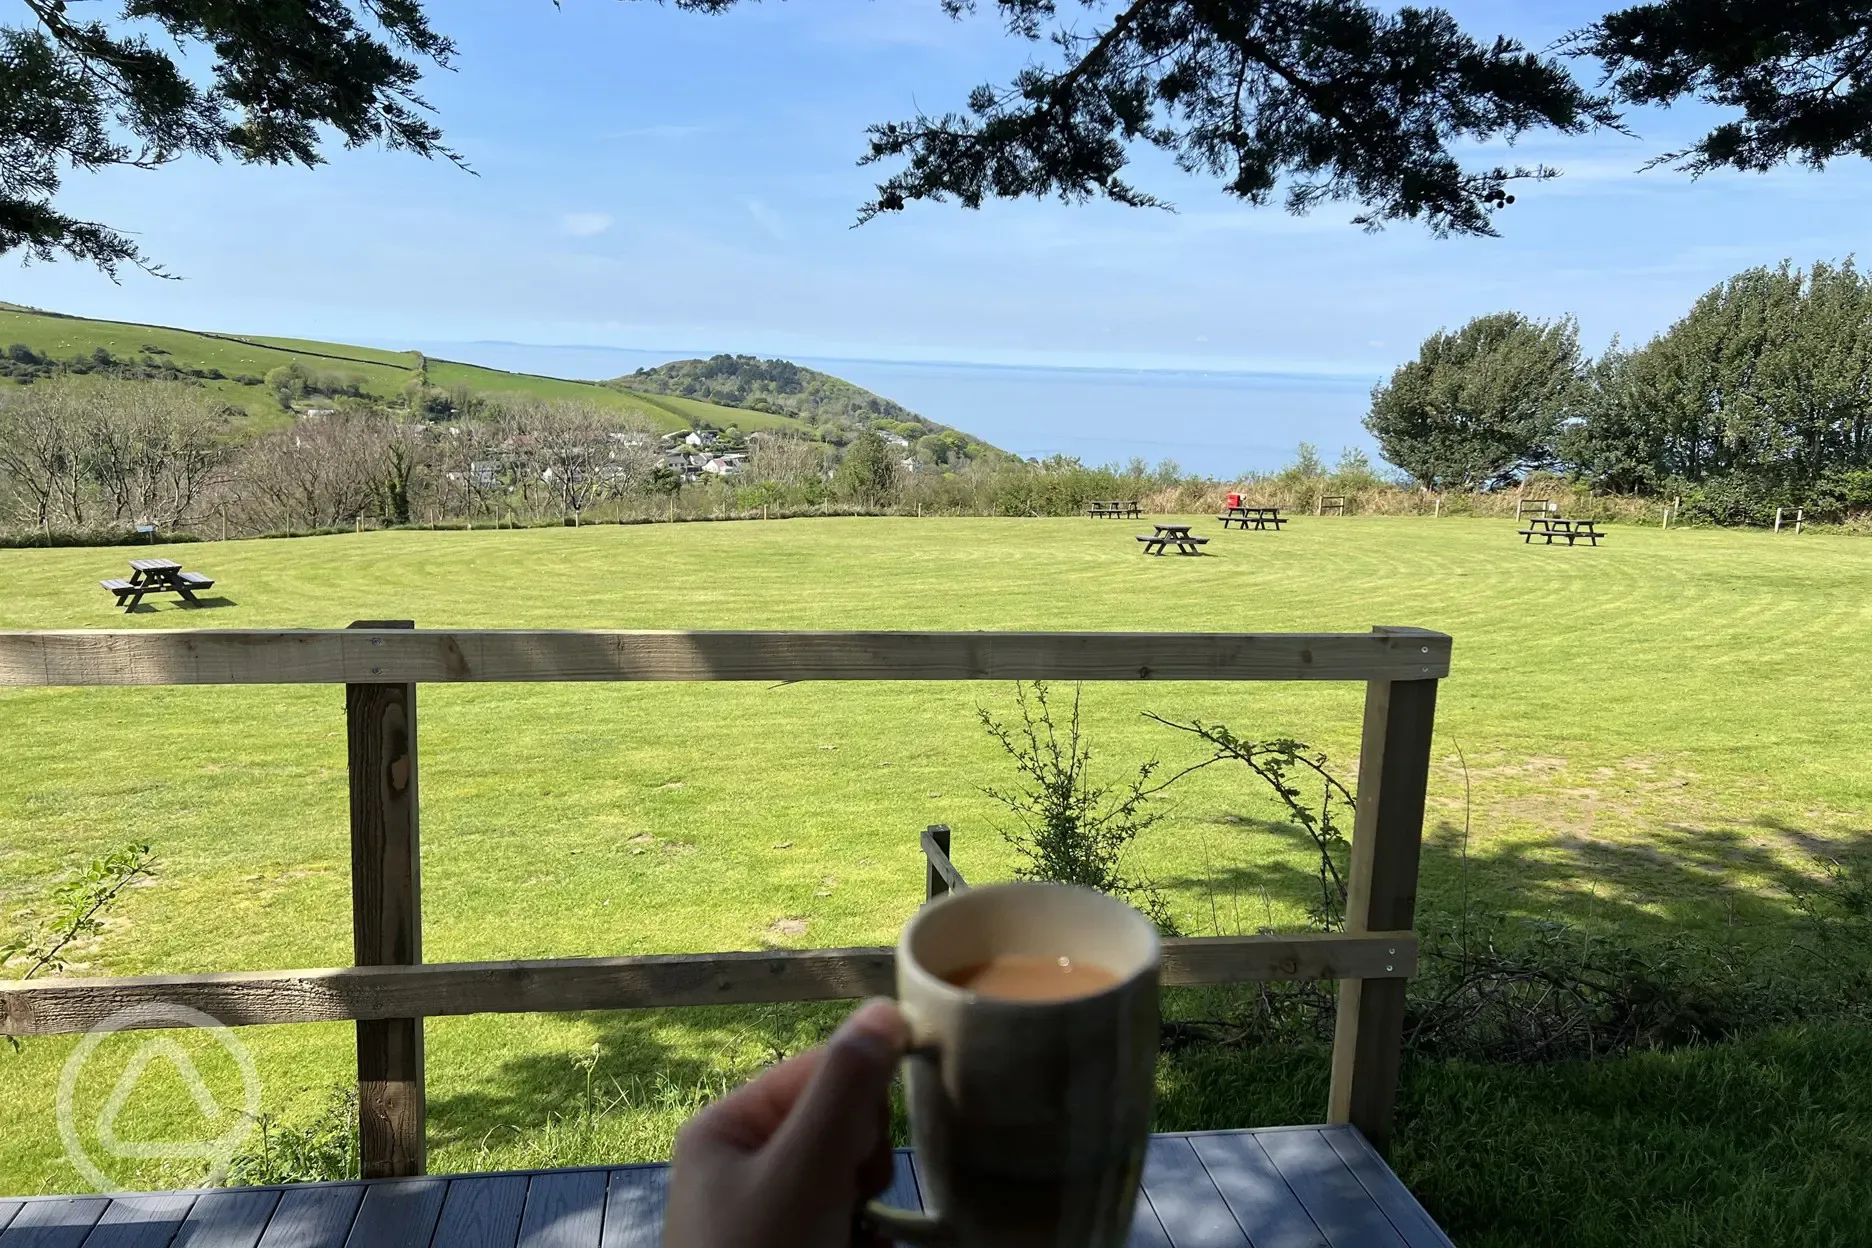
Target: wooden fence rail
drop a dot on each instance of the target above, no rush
(46, 1007)
(376, 655)
(391, 990)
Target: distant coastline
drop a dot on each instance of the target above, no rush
(1213, 420)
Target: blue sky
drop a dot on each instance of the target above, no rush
(666, 182)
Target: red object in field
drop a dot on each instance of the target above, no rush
(1234, 500)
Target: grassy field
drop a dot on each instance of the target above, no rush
(1659, 735)
(380, 373)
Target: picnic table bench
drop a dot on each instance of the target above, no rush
(1550, 528)
(1323, 1187)
(157, 576)
(1115, 510)
(1252, 517)
(1168, 534)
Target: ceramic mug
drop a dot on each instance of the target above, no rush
(1030, 1118)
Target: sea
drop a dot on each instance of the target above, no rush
(1219, 423)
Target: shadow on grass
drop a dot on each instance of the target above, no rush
(1761, 1139)
(147, 607)
(1724, 878)
(656, 1056)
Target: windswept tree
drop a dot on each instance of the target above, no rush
(1480, 406)
(1767, 379)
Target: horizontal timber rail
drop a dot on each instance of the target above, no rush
(390, 990)
(411, 656)
(47, 1007)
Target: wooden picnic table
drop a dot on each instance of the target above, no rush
(1550, 528)
(157, 576)
(1323, 1187)
(1116, 510)
(1252, 517)
(1172, 534)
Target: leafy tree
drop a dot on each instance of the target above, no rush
(1338, 100)
(1307, 466)
(1321, 100)
(89, 91)
(1355, 472)
(1769, 378)
(867, 475)
(1799, 71)
(1620, 440)
(1481, 405)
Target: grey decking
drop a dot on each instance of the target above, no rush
(1279, 1187)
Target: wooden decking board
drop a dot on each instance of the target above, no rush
(1279, 1187)
(564, 1210)
(482, 1212)
(1186, 1201)
(141, 1221)
(227, 1219)
(903, 1192)
(1407, 1217)
(61, 1223)
(398, 1213)
(634, 1207)
(1252, 1188)
(1146, 1230)
(1333, 1197)
(313, 1217)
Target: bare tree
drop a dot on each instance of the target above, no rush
(787, 460)
(42, 451)
(153, 449)
(319, 473)
(580, 452)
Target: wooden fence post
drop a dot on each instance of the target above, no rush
(1381, 896)
(934, 885)
(386, 915)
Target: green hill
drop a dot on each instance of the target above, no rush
(35, 344)
(782, 388)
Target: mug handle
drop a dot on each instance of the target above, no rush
(905, 1225)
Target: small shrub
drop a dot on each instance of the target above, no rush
(1284, 764)
(76, 910)
(323, 1149)
(1071, 831)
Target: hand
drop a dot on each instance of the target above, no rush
(786, 1160)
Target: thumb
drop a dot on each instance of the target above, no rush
(838, 1113)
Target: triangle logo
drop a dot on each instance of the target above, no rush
(167, 1050)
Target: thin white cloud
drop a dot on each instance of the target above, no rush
(585, 224)
(767, 218)
(661, 130)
